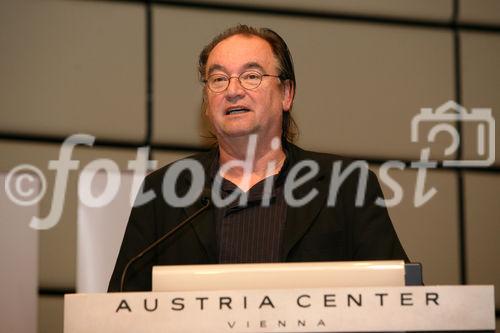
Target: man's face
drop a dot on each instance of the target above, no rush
(259, 110)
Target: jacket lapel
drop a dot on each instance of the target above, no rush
(299, 219)
(204, 224)
(204, 227)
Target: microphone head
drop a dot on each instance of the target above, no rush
(206, 196)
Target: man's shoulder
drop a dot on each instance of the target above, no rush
(346, 172)
(203, 159)
(298, 154)
(333, 165)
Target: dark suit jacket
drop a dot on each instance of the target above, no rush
(314, 232)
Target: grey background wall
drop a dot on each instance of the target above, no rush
(364, 69)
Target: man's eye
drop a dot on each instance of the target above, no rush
(251, 76)
(218, 79)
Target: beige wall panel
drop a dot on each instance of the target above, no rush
(482, 213)
(359, 85)
(57, 253)
(50, 314)
(427, 9)
(72, 66)
(429, 233)
(358, 96)
(481, 87)
(480, 11)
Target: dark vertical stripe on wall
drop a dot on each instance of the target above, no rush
(460, 179)
(149, 74)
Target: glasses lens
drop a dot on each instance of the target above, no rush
(250, 80)
(218, 82)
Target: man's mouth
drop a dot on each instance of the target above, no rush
(236, 110)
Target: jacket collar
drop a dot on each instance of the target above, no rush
(299, 219)
(204, 224)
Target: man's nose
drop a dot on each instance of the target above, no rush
(234, 88)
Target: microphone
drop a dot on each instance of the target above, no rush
(205, 199)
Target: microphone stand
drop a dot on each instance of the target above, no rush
(161, 239)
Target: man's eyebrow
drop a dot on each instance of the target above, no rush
(215, 67)
(247, 66)
(253, 65)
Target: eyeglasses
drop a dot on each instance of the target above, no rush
(248, 80)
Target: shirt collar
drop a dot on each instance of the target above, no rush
(228, 186)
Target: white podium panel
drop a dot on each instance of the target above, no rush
(430, 308)
(279, 275)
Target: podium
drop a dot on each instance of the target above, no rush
(316, 308)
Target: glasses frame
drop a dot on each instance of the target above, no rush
(239, 80)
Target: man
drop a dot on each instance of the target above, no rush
(287, 214)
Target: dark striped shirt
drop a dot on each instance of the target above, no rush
(251, 233)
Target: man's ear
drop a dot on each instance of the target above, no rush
(288, 95)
